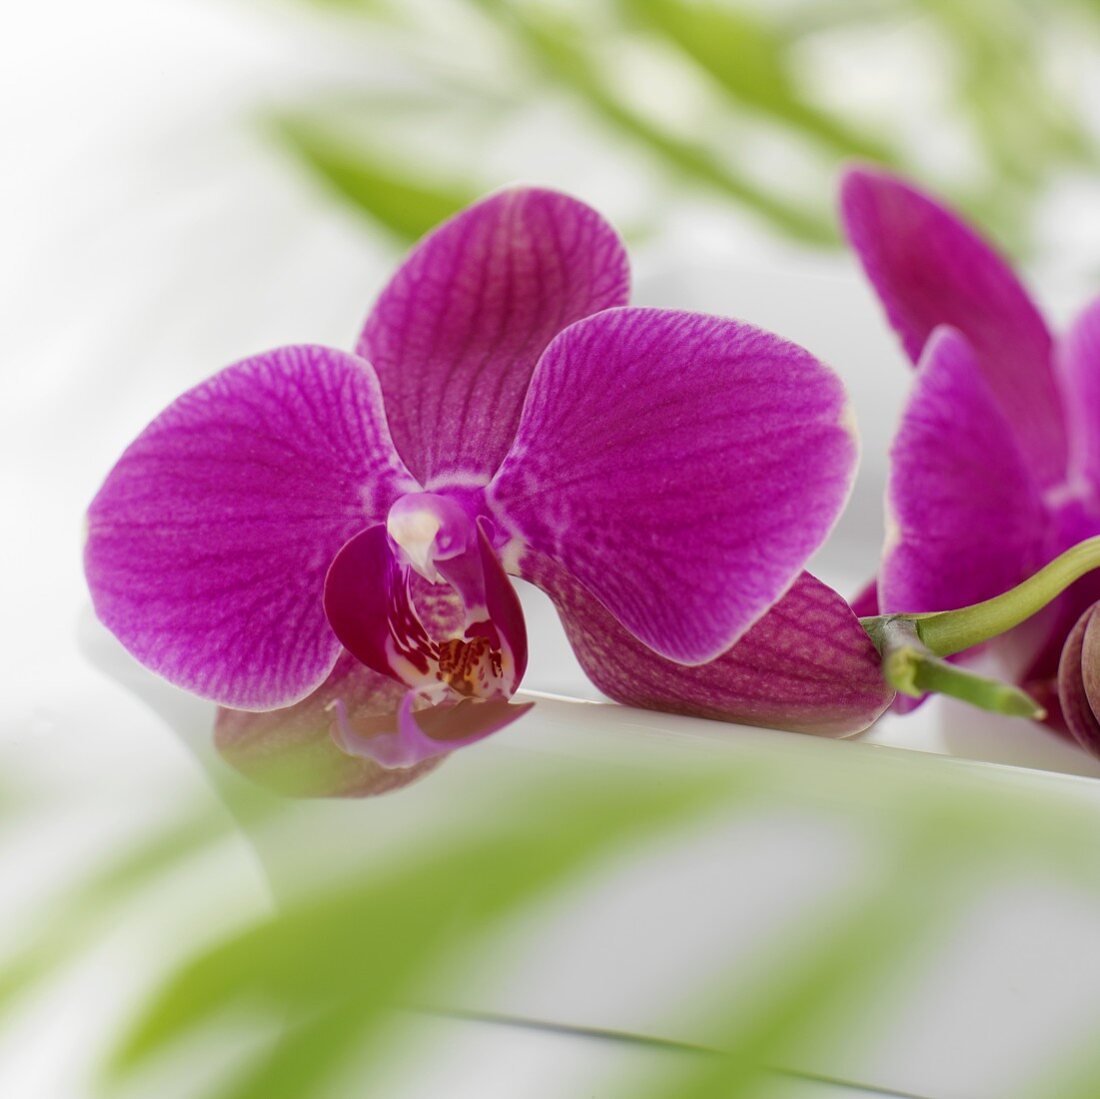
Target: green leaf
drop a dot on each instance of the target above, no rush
(88, 905)
(397, 198)
(751, 62)
(352, 951)
(556, 48)
(1023, 122)
(850, 955)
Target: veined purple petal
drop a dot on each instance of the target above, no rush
(409, 737)
(681, 467)
(806, 666)
(1079, 360)
(371, 607)
(967, 514)
(294, 752)
(1079, 681)
(930, 269)
(209, 542)
(456, 334)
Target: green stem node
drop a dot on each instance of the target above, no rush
(912, 669)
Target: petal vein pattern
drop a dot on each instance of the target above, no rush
(209, 541)
(806, 666)
(457, 332)
(679, 466)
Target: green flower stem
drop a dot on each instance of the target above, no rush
(912, 645)
(947, 632)
(912, 669)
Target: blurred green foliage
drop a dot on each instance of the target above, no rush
(402, 202)
(991, 69)
(336, 975)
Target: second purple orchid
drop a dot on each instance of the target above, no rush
(995, 470)
(320, 541)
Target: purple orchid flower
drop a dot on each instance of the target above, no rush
(995, 469)
(320, 541)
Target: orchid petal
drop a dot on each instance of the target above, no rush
(930, 269)
(806, 666)
(293, 750)
(369, 599)
(967, 515)
(410, 737)
(681, 467)
(457, 332)
(1079, 359)
(208, 543)
(1079, 681)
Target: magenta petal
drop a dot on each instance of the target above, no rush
(806, 666)
(410, 737)
(681, 467)
(456, 334)
(1079, 359)
(293, 751)
(930, 269)
(1079, 681)
(969, 522)
(208, 544)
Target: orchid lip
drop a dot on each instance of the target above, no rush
(477, 651)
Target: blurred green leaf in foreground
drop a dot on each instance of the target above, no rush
(391, 912)
(401, 202)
